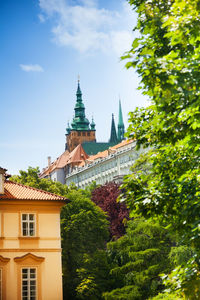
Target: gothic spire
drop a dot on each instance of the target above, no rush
(113, 134)
(80, 122)
(120, 133)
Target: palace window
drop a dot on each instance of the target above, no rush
(28, 225)
(29, 288)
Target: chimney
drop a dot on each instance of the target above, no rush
(2, 179)
(49, 161)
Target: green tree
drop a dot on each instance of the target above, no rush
(95, 276)
(84, 232)
(166, 55)
(139, 257)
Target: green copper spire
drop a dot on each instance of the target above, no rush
(80, 122)
(120, 133)
(92, 124)
(68, 129)
(113, 134)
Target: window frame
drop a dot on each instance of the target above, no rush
(28, 297)
(28, 221)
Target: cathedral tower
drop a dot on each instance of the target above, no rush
(81, 130)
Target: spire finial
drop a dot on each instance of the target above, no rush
(78, 78)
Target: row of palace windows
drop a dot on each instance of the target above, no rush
(28, 284)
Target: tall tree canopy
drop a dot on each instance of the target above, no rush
(137, 259)
(84, 232)
(166, 54)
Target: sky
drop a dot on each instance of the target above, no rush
(45, 45)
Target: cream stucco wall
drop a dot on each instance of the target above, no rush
(43, 251)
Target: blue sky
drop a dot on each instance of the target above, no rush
(44, 46)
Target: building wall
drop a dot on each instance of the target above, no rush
(110, 168)
(78, 137)
(58, 175)
(43, 251)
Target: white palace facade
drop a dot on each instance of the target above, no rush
(106, 166)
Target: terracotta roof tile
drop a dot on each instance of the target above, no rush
(76, 157)
(13, 190)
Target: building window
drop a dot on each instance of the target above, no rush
(79, 133)
(88, 133)
(28, 225)
(29, 284)
(84, 133)
(1, 284)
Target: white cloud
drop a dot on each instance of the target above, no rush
(88, 28)
(31, 68)
(41, 18)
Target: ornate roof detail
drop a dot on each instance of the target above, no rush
(92, 124)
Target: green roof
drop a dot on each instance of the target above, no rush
(79, 122)
(92, 148)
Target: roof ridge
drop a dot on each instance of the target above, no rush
(35, 189)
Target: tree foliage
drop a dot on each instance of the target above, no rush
(105, 197)
(84, 231)
(166, 55)
(139, 257)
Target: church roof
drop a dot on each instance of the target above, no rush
(16, 191)
(79, 122)
(120, 121)
(92, 148)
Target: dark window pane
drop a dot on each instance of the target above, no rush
(24, 217)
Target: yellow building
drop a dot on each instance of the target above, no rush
(30, 244)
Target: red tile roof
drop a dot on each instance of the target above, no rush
(16, 191)
(75, 157)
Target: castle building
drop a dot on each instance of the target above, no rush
(109, 165)
(81, 130)
(81, 143)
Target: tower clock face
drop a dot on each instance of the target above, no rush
(1, 184)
